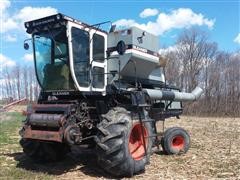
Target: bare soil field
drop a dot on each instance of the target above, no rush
(214, 154)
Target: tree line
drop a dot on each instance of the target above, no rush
(193, 60)
(19, 82)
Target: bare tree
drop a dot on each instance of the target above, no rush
(25, 81)
(194, 49)
(196, 60)
(17, 79)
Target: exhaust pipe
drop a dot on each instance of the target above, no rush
(174, 95)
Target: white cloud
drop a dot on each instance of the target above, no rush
(176, 19)
(30, 13)
(10, 38)
(122, 23)
(164, 51)
(8, 24)
(16, 21)
(28, 57)
(4, 4)
(148, 12)
(237, 39)
(6, 61)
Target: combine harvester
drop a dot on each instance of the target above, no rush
(106, 90)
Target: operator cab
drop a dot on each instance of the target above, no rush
(68, 55)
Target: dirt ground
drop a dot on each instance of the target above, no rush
(214, 153)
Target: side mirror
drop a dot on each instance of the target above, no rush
(121, 47)
(26, 46)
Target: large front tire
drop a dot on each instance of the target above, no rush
(120, 145)
(44, 151)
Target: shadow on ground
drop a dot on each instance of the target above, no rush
(79, 159)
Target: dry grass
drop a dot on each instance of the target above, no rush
(17, 108)
(214, 153)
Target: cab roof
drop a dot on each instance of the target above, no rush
(53, 19)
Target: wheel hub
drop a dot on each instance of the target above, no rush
(178, 142)
(136, 141)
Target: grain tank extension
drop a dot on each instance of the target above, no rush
(103, 90)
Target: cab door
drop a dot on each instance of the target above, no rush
(98, 61)
(79, 55)
(87, 54)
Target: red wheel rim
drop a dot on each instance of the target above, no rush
(178, 142)
(136, 142)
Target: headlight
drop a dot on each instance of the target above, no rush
(58, 17)
(27, 25)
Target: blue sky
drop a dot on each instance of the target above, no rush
(221, 19)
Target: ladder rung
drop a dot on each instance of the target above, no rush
(148, 120)
(154, 135)
(144, 105)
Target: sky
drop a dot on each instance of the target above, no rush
(220, 19)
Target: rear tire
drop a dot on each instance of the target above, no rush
(175, 140)
(120, 148)
(44, 151)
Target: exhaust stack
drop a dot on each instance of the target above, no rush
(174, 95)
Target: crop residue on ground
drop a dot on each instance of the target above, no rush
(214, 153)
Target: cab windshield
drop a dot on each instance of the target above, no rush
(52, 60)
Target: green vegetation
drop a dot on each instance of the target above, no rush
(10, 122)
(11, 155)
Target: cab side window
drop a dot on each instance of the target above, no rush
(98, 56)
(98, 48)
(80, 44)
